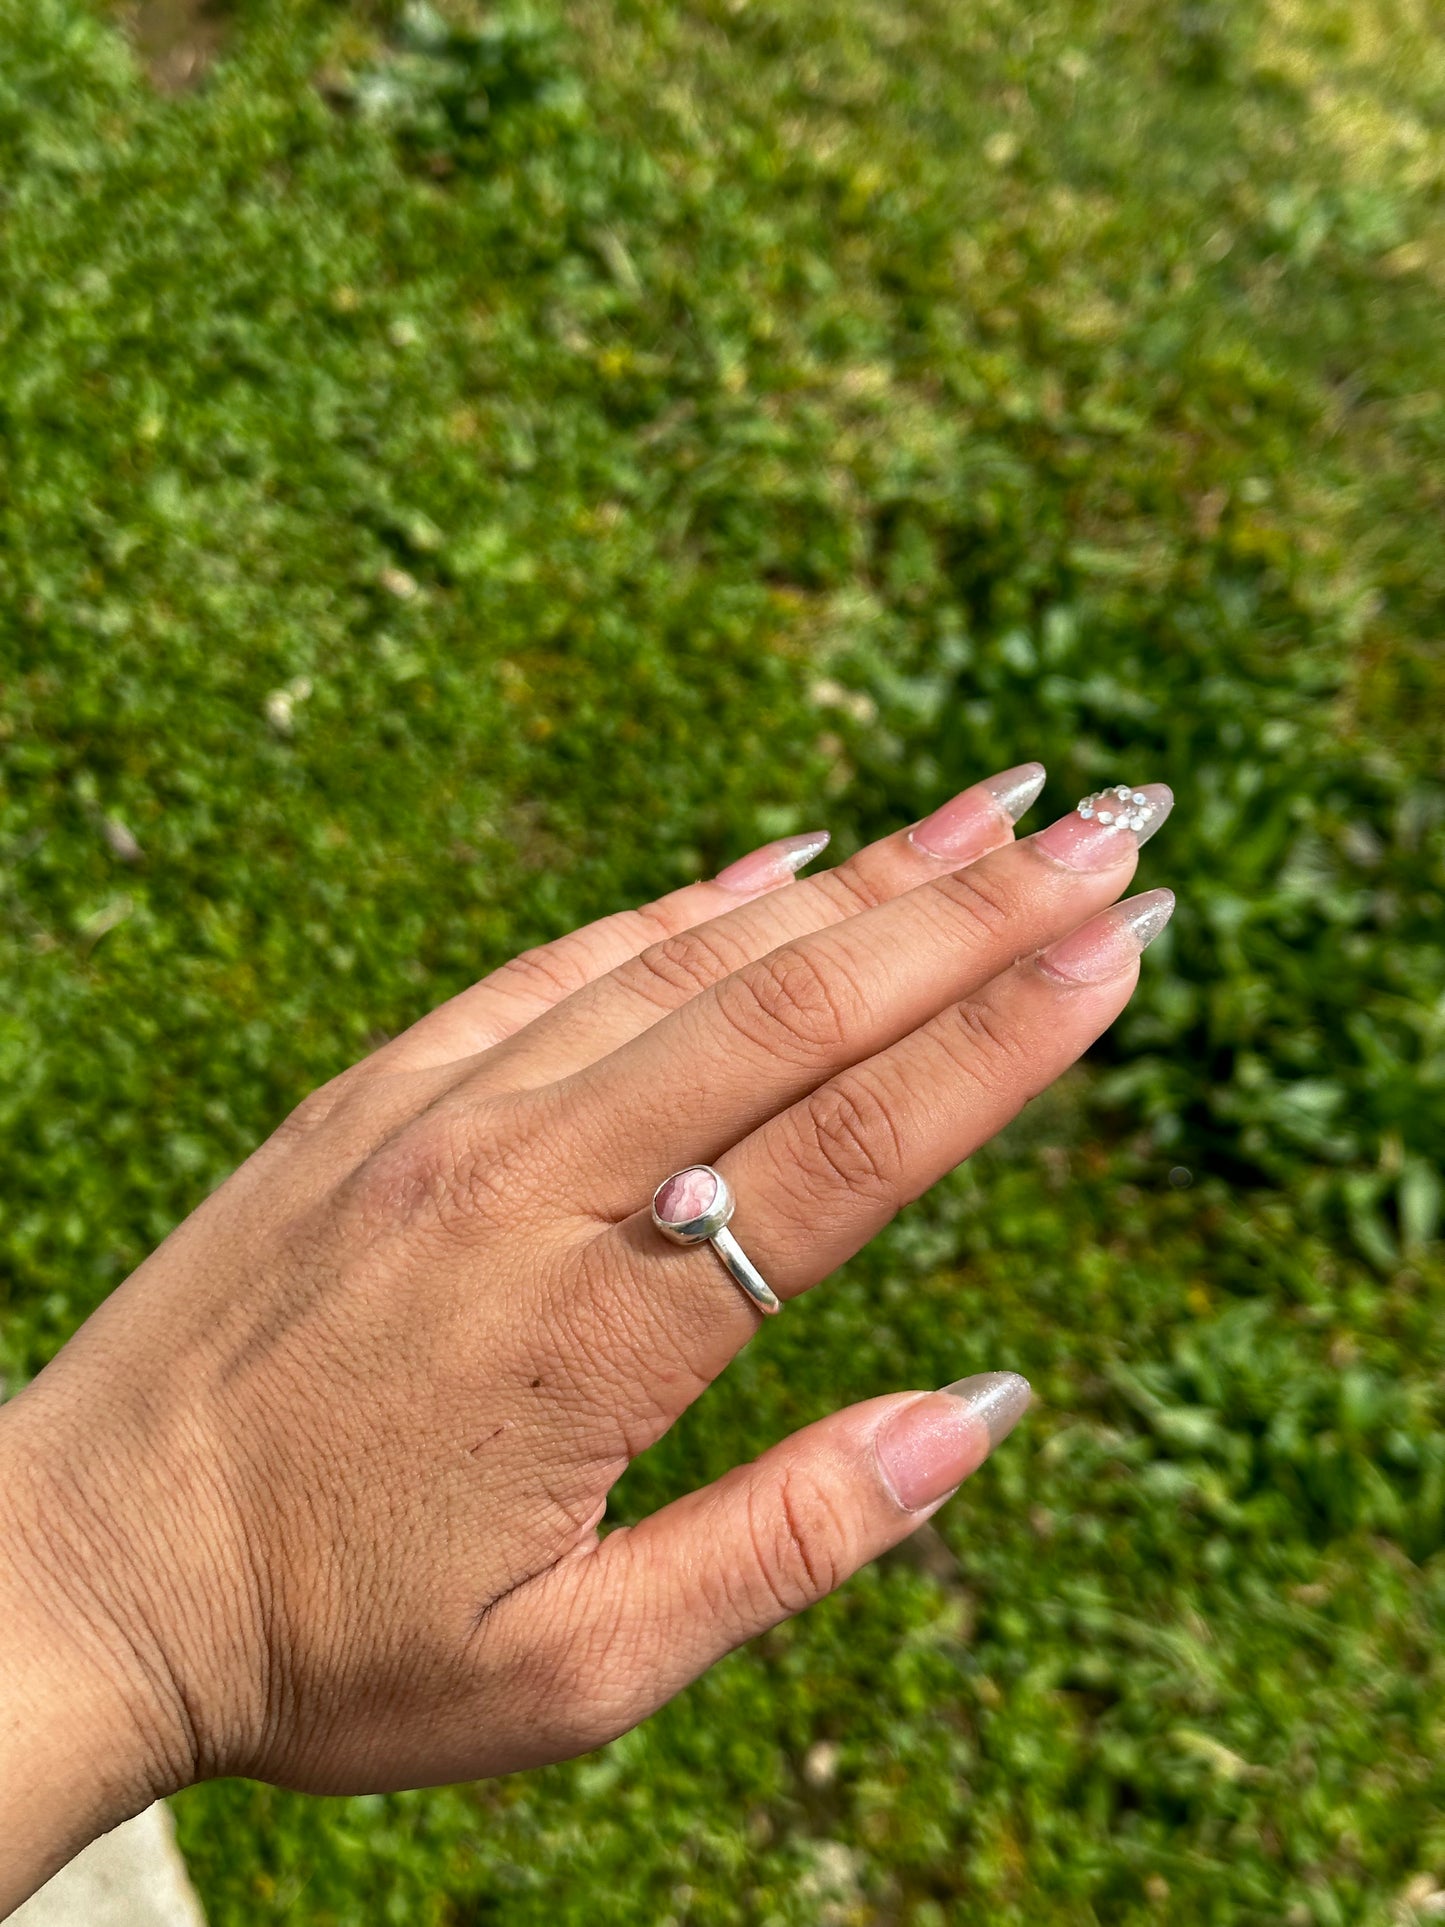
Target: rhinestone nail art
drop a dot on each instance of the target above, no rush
(1122, 807)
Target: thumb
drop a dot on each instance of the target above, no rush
(657, 1603)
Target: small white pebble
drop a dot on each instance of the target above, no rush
(280, 705)
(121, 839)
(1140, 797)
(1106, 816)
(1086, 811)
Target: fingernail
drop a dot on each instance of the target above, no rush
(1107, 944)
(1106, 827)
(932, 1445)
(764, 869)
(967, 825)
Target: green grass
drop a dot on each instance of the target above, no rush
(773, 412)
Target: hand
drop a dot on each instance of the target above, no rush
(315, 1496)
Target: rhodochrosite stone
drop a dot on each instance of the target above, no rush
(687, 1195)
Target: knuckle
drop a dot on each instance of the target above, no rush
(851, 1138)
(480, 1175)
(979, 901)
(792, 1002)
(649, 923)
(849, 888)
(682, 964)
(795, 1536)
(550, 971)
(314, 1110)
(457, 1168)
(985, 1048)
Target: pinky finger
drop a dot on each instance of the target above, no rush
(656, 1604)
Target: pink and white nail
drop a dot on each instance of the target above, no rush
(1107, 827)
(775, 863)
(974, 822)
(1110, 942)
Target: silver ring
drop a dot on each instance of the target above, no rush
(692, 1207)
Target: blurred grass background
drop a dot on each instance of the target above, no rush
(466, 470)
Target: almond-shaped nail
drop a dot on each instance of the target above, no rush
(934, 1443)
(1107, 944)
(968, 824)
(1107, 827)
(764, 869)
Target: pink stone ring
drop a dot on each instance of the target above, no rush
(692, 1207)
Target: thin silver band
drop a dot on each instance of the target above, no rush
(745, 1272)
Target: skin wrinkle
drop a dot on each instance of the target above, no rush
(69, 1545)
(668, 973)
(663, 977)
(611, 1335)
(848, 889)
(691, 961)
(982, 908)
(980, 1046)
(448, 1167)
(584, 1526)
(275, 1691)
(543, 973)
(852, 1140)
(788, 1006)
(314, 1111)
(810, 1528)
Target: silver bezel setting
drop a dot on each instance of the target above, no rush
(697, 1231)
